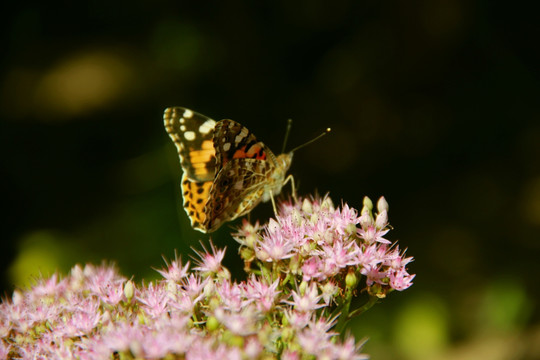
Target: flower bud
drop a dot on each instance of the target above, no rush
(212, 323)
(350, 229)
(251, 240)
(303, 287)
(232, 339)
(368, 206)
(247, 254)
(294, 264)
(296, 217)
(351, 280)
(17, 297)
(327, 204)
(366, 220)
(128, 290)
(382, 220)
(382, 205)
(224, 273)
(307, 207)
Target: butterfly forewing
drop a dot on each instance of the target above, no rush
(234, 141)
(192, 133)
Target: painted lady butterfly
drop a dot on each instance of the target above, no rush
(227, 171)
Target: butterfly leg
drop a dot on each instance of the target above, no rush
(290, 179)
(273, 204)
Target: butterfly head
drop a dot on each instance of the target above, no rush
(284, 161)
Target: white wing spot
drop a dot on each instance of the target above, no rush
(207, 126)
(189, 135)
(183, 127)
(226, 146)
(188, 114)
(182, 120)
(238, 138)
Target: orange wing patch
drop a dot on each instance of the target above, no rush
(201, 158)
(255, 151)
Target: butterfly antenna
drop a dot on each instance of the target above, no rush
(287, 131)
(312, 140)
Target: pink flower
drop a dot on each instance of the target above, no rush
(310, 268)
(210, 263)
(401, 279)
(242, 323)
(274, 246)
(193, 285)
(261, 293)
(50, 287)
(308, 302)
(370, 235)
(349, 350)
(175, 271)
(232, 296)
(315, 338)
(154, 300)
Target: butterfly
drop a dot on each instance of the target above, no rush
(226, 171)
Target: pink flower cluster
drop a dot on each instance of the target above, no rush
(303, 270)
(313, 240)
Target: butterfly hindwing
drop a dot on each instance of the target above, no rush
(192, 133)
(237, 189)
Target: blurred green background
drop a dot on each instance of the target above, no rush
(433, 104)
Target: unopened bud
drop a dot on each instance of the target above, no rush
(224, 273)
(247, 254)
(382, 204)
(350, 229)
(303, 287)
(296, 217)
(382, 220)
(351, 280)
(368, 206)
(294, 265)
(232, 339)
(212, 323)
(327, 204)
(307, 207)
(129, 290)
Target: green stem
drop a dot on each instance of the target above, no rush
(372, 301)
(344, 317)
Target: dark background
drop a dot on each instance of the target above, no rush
(433, 104)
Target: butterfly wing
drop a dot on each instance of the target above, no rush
(193, 134)
(237, 189)
(234, 141)
(196, 195)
